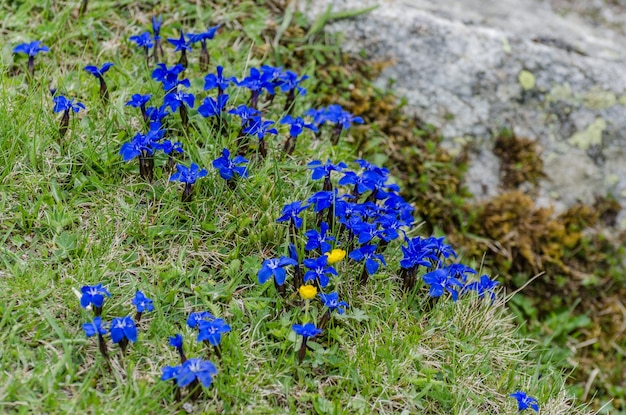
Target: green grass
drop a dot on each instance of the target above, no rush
(73, 213)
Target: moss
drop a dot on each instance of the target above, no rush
(520, 161)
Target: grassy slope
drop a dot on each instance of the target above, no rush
(72, 213)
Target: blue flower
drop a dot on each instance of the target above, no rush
(93, 294)
(180, 44)
(167, 76)
(142, 303)
(212, 330)
(176, 341)
(156, 25)
(439, 248)
(204, 36)
(482, 286)
(196, 369)
(297, 125)
(169, 148)
(318, 270)
(440, 280)
(157, 114)
(211, 107)
(318, 240)
(31, 48)
(218, 81)
(135, 147)
(368, 253)
(275, 267)
(138, 100)
(143, 40)
(170, 372)
(255, 82)
(331, 301)
(229, 167)
(417, 252)
(260, 128)
(94, 327)
(175, 99)
(307, 330)
(324, 199)
(62, 104)
(196, 317)
(188, 175)
(123, 328)
(245, 113)
(98, 72)
(291, 82)
(524, 401)
(291, 212)
(320, 171)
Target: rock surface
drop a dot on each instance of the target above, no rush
(474, 67)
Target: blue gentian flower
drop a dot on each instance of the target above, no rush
(181, 44)
(218, 81)
(524, 401)
(157, 22)
(297, 125)
(94, 327)
(291, 212)
(342, 119)
(320, 171)
(94, 295)
(274, 267)
(174, 100)
(170, 372)
(212, 330)
(318, 115)
(138, 100)
(204, 36)
(228, 167)
(319, 240)
(255, 83)
(143, 40)
(142, 303)
(318, 270)
(307, 330)
(141, 144)
(123, 328)
(170, 148)
(62, 104)
(31, 48)
(331, 301)
(167, 76)
(188, 175)
(368, 253)
(245, 113)
(441, 249)
(176, 341)
(211, 107)
(196, 317)
(324, 199)
(439, 281)
(196, 369)
(260, 128)
(98, 72)
(157, 114)
(482, 286)
(291, 82)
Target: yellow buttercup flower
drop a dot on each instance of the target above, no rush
(335, 255)
(307, 292)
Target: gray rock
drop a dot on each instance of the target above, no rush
(473, 67)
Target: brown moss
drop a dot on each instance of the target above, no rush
(520, 160)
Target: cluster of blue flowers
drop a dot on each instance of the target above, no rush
(196, 371)
(122, 330)
(356, 214)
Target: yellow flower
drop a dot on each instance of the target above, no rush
(335, 255)
(307, 292)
